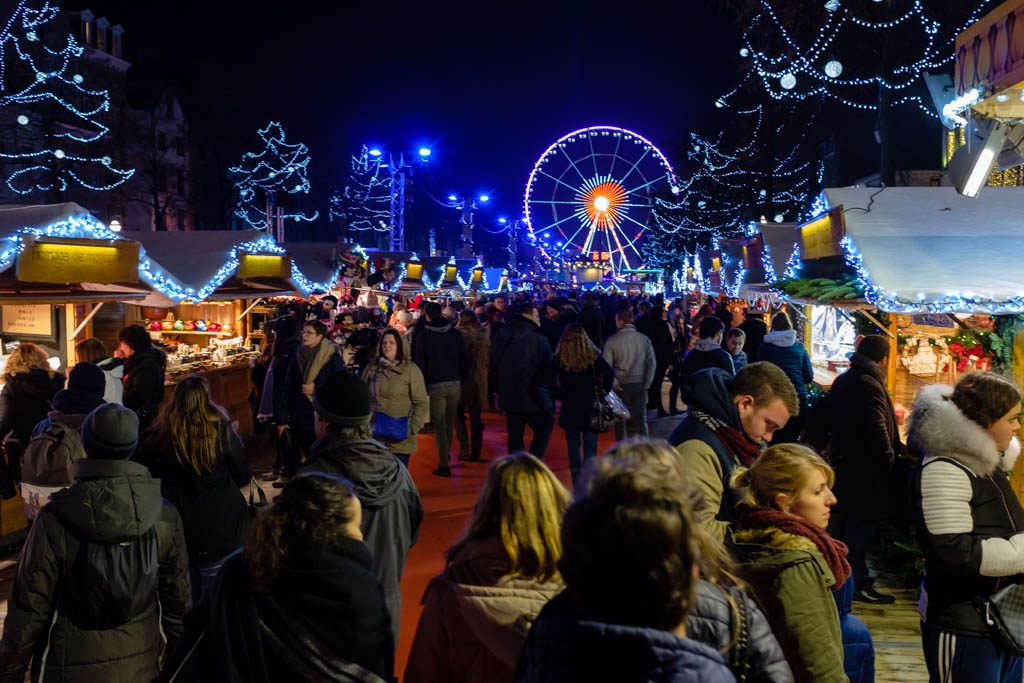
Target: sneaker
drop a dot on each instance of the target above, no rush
(873, 597)
(443, 472)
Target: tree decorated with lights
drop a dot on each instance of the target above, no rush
(365, 203)
(279, 168)
(53, 121)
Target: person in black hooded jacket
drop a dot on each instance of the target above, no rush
(440, 352)
(300, 598)
(392, 511)
(29, 386)
(144, 368)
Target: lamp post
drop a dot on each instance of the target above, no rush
(398, 169)
(466, 205)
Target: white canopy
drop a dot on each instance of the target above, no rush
(932, 249)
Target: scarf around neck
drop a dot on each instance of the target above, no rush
(833, 551)
(312, 360)
(739, 445)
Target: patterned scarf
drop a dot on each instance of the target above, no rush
(834, 552)
(742, 448)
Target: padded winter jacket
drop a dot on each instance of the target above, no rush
(525, 367)
(782, 349)
(25, 400)
(111, 502)
(144, 384)
(398, 391)
(440, 352)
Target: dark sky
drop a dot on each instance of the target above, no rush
(489, 86)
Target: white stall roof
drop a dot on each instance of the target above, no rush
(932, 249)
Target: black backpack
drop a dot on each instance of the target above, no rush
(109, 584)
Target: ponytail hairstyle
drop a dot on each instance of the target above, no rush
(784, 468)
(314, 512)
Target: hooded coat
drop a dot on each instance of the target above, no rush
(525, 367)
(781, 349)
(793, 584)
(398, 390)
(707, 460)
(330, 601)
(969, 521)
(144, 384)
(392, 511)
(111, 501)
(25, 400)
(565, 646)
(865, 439)
(706, 353)
(475, 618)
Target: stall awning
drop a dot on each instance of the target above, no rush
(930, 249)
(315, 264)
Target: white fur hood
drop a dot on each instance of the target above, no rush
(783, 338)
(938, 428)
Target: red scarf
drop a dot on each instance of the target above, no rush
(737, 443)
(832, 550)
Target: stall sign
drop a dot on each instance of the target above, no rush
(821, 237)
(263, 265)
(54, 260)
(33, 320)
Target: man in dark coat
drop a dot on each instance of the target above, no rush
(392, 511)
(708, 351)
(525, 366)
(658, 332)
(440, 353)
(755, 329)
(865, 441)
(592, 319)
(102, 586)
(144, 368)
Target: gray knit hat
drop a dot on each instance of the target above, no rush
(110, 432)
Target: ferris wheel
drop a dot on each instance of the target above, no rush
(592, 193)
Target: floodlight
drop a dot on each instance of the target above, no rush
(971, 164)
(375, 152)
(424, 152)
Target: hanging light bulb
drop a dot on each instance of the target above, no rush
(834, 68)
(744, 52)
(788, 81)
(831, 5)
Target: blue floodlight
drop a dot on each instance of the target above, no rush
(485, 198)
(503, 221)
(375, 152)
(424, 152)
(452, 198)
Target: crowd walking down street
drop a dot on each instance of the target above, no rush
(737, 541)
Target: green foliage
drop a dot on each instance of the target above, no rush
(823, 289)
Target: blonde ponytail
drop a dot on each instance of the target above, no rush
(784, 469)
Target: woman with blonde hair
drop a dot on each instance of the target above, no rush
(789, 560)
(497, 577)
(29, 387)
(723, 616)
(201, 463)
(299, 603)
(582, 372)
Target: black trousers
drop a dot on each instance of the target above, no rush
(654, 393)
(541, 422)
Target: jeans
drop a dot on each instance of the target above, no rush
(540, 421)
(577, 456)
(634, 395)
(470, 444)
(444, 408)
(952, 658)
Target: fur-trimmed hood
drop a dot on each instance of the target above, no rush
(769, 550)
(937, 428)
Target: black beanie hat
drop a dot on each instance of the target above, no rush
(110, 432)
(874, 346)
(88, 379)
(344, 399)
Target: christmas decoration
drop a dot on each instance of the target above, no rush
(279, 168)
(50, 151)
(365, 203)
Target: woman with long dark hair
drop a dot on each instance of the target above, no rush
(397, 393)
(201, 463)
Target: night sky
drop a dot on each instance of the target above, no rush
(487, 87)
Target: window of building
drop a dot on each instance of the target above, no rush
(87, 32)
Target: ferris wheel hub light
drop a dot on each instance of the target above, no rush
(602, 203)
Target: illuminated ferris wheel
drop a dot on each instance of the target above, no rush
(593, 191)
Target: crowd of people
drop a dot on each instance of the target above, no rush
(735, 550)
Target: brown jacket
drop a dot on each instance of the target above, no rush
(475, 619)
(478, 348)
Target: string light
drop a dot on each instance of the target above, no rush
(365, 203)
(279, 167)
(47, 169)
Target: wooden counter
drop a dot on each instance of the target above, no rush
(229, 386)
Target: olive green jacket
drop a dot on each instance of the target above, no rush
(793, 584)
(399, 391)
(704, 471)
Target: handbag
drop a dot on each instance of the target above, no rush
(1004, 614)
(391, 428)
(257, 498)
(601, 416)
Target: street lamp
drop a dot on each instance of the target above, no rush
(115, 225)
(398, 168)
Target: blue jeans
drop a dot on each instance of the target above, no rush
(578, 456)
(952, 658)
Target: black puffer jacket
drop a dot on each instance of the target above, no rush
(713, 623)
(111, 502)
(212, 508)
(25, 400)
(144, 384)
(525, 366)
(440, 352)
